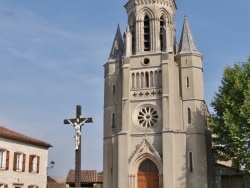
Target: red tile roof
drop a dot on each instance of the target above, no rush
(15, 136)
(56, 185)
(56, 179)
(50, 180)
(87, 176)
(52, 183)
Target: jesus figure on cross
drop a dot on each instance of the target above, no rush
(77, 125)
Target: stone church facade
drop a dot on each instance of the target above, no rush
(154, 109)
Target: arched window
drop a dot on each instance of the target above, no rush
(133, 81)
(187, 83)
(189, 114)
(162, 33)
(156, 75)
(142, 80)
(146, 33)
(190, 157)
(151, 79)
(147, 79)
(138, 80)
(113, 119)
(113, 89)
(133, 33)
(160, 78)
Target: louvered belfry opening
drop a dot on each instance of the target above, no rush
(162, 24)
(146, 33)
(133, 33)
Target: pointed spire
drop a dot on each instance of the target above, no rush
(117, 48)
(187, 44)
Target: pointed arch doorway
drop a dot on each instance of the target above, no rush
(148, 175)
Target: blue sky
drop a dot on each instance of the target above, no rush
(52, 54)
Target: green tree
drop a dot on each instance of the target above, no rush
(230, 122)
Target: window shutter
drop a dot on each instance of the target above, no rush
(5, 186)
(23, 165)
(7, 160)
(30, 163)
(38, 164)
(15, 161)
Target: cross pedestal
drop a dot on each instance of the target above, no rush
(77, 123)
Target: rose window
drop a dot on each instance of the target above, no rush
(146, 117)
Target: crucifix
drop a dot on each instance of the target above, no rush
(77, 123)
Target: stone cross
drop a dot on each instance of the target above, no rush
(77, 123)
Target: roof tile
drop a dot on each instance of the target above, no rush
(87, 176)
(15, 136)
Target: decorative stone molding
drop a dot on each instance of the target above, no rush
(151, 93)
(143, 151)
(132, 3)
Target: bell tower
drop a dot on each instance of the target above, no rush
(154, 109)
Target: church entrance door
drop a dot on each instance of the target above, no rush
(148, 175)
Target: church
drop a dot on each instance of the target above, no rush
(155, 132)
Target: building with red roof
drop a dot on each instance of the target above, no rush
(23, 160)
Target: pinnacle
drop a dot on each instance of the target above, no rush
(117, 48)
(187, 44)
